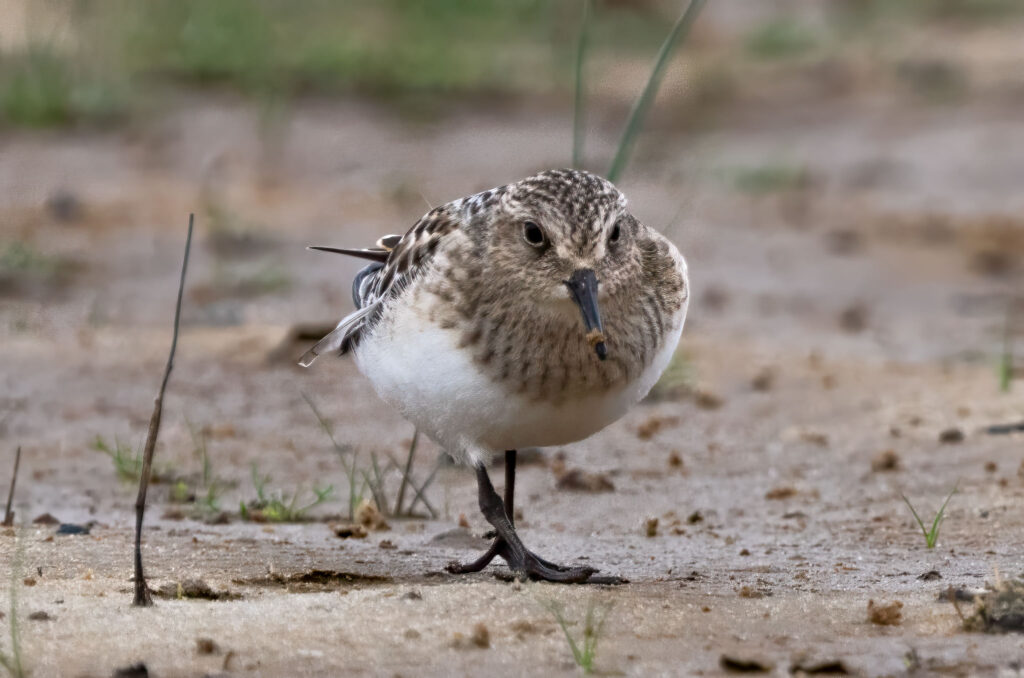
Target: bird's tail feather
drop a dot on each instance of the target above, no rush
(336, 339)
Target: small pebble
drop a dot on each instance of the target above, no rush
(481, 636)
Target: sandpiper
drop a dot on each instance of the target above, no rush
(528, 315)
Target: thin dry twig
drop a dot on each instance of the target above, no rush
(142, 597)
(8, 514)
(419, 491)
(405, 474)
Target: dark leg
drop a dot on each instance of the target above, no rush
(507, 544)
(496, 545)
(510, 485)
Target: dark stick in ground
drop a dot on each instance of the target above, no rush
(142, 597)
(8, 514)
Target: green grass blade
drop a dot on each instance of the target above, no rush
(643, 103)
(577, 116)
(556, 611)
(598, 629)
(938, 519)
(1006, 358)
(916, 517)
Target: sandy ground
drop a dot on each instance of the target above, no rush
(833, 321)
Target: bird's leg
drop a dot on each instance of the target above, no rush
(496, 545)
(510, 500)
(507, 543)
(510, 485)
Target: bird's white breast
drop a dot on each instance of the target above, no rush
(420, 369)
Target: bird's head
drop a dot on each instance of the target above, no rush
(564, 241)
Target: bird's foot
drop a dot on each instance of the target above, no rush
(525, 565)
(532, 566)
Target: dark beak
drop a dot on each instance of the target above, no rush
(582, 286)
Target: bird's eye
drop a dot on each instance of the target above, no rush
(616, 232)
(532, 234)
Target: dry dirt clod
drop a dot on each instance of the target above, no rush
(651, 527)
(348, 530)
(843, 241)
(173, 514)
(795, 434)
(854, 318)
(706, 400)
(778, 493)
(369, 516)
(993, 263)
(578, 480)
(134, 671)
(64, 205)
(763, 380)
(675, 460)
(481, 636)
(206, 646)
(951, 436)
(819, 667)
(45, 519)
(195, 589)
(886, 460)
(714, 298)
(889, 614)
(1000, 610)
(736, 664)
(648, 429)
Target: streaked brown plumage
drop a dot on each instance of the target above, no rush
(470, 323)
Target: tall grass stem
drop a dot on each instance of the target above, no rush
(577, 116)
(643, 103)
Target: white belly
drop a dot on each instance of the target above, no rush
(418, 368)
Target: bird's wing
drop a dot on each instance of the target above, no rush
(398, 260)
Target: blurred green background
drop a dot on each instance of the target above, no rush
(890, 122)
(97, 61)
